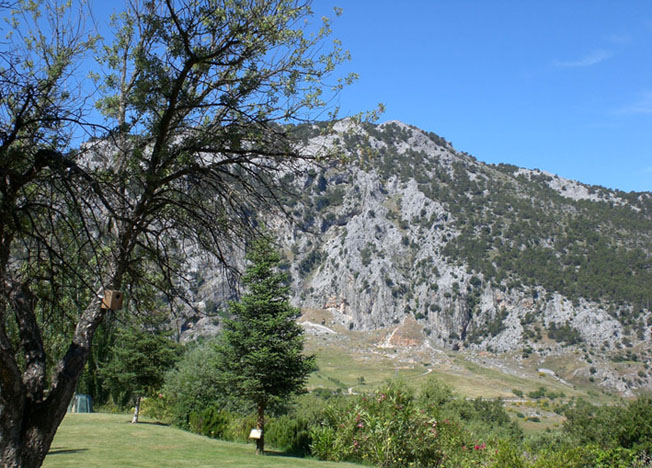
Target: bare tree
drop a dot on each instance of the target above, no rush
(199, 95)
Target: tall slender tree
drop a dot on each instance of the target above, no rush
(260, 352)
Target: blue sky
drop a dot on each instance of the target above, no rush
(562, 86)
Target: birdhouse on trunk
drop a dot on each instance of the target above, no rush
(112, 299)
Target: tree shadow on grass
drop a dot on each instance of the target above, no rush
(152, 423)
(275, 453)
(58, 451)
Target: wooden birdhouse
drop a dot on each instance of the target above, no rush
(112, 299)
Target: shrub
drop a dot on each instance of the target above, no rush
(239, 428)
(483, 419)
(538, 393)
(291, 435)
(626, 427)
(388, 429)
(507, 455)
(212, 422)
(434, 393)
(583, 456)
(157, 407)
(194, 386)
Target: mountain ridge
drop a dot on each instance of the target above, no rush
(481, 257)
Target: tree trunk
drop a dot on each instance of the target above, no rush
(27, 443)
(134, 420)
(28, 419)
(260, 425)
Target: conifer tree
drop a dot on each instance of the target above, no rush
(139, 361)
(261, 349)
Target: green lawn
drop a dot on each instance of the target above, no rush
(109, 440)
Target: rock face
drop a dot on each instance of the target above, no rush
(463, 254)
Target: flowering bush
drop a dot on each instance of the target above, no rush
(388, 429)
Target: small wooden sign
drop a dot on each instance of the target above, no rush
(112, 299)
(255, 434)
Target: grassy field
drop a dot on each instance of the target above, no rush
(110, 440)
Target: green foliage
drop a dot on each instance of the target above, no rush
(483, 419)
(564, 334)
(585, 456)
(156, 407)
(310, 262)
(386, 430)
(219, 423)
(635, 425)
(289, 434)
(508, 455)
(538, 393)
(526, 230)
(392, 427)
(139, 360)
(627, 427)
(212, 422)
(434, 393)
(194, 385)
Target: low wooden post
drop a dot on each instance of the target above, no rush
(260, 423)
(257, 435)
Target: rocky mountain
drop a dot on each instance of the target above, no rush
(409, 232)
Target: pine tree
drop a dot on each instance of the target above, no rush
(139, 361)
(261, 349)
